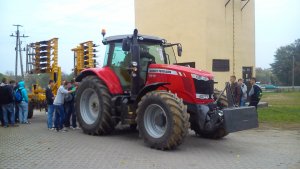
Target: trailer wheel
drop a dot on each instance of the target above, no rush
(30, 109)
(93, 107)
(162, 120)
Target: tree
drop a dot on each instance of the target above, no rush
(1, 77)
(265, 76)
(282, 67)
(40, 79)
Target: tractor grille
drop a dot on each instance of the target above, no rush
(204, 88)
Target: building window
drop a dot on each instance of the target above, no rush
(188, 64)
(220, 65)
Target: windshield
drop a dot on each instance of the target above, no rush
(153, 52)
(170, 54)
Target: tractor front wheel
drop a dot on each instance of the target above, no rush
(162, 120)
(93, 107)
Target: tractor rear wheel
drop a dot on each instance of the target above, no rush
(162, 119)
(93, 107)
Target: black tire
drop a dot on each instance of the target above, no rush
(30, 109)
(93, 107)
(174, 117)
(222, 102)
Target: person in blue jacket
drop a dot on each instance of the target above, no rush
(23, 106)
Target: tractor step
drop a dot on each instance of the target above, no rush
(240, 118)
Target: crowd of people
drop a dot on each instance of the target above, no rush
(13, 103)
(60, 106)
(240, 95)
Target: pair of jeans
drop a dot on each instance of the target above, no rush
(242, 102)
(1, 116)
(50, 116)
(254, 102)
(23, 112)
(8, 112)
(16, 112)
(59, 116)
(70, 112)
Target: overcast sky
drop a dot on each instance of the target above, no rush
(76, 21)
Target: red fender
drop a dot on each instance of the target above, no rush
(107, 75)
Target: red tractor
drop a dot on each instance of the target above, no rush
(141, 85)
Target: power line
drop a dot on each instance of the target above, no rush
(18, 49)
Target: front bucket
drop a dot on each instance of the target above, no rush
(240, 118)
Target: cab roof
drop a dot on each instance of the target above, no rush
(141, 38)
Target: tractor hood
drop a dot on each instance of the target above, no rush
(176, 69)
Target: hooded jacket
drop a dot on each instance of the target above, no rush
(23, 91)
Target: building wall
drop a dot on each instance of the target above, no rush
(207, 30)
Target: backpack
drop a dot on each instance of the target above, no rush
(259, 93)
(18, 95)
(68, 97)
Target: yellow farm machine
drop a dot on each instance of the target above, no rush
(42, 57)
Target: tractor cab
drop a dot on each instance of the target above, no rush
(131, 66)
(119, 57)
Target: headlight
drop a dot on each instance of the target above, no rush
(220, 113)
(202, 96)
(199, 77)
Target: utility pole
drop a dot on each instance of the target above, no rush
(18, 49)
(293, 73)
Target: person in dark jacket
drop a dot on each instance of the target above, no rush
(14, 86)
(7, 100)
(235, 89)
(254, 93)
(1, 102)
(50, 98)
(1, 115)
(69, 106)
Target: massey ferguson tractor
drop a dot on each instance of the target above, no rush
(140, 85)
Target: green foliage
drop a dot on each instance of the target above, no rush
(41, 79)
(67, 77)
(284, 108)
(282, 67)
(265, 76)
(1, 76)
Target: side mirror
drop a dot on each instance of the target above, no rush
(126, 44)
(179, 49)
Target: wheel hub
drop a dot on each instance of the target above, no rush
(155, 120)
(89, 106)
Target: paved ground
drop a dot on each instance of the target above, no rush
(33, 146)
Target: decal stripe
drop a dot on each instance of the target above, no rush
(162, 71)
